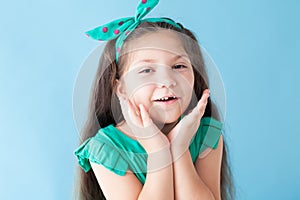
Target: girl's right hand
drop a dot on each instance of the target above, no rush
(143, 128)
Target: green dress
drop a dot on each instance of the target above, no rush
(120, 153)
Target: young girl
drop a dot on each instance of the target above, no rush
(152, 131)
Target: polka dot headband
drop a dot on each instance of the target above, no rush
(121, 28)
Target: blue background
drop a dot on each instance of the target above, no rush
(255, 44)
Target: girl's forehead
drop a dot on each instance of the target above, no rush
(166, 40)
(157, 46)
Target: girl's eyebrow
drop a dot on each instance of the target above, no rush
(145, 60)
(176, 57)
(184, 56)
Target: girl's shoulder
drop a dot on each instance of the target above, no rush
(107, 148)
(210, 130)
(207, 136)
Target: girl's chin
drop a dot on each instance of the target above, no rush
(165, 119)
(165, 116)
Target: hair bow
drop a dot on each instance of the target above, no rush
(121, 28)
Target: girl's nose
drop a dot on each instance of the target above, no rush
(166, 79)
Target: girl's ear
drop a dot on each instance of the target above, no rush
(120, 90)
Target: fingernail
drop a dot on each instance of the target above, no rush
(206, 91)
(137, 113)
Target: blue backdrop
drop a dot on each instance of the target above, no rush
(255, 44)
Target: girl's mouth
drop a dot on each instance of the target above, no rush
(166, 100)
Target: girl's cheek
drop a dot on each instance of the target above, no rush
(134, 83)
(142, 93)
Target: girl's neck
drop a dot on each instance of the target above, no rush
(168, 127)
(124, 127)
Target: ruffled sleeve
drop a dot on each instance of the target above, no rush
(207, 136)
(213, 130)
(99, 150)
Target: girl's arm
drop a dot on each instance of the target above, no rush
(158, 185)
(187, 181)
(159, 181)
(201, 181)
(209, 169)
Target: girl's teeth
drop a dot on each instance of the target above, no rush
(166, 98)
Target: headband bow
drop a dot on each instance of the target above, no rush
(121, 28)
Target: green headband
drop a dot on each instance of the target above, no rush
(121, 28)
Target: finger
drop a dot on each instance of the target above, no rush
(146, 120)
(204, 96)
(124, 108)
(150, 129)
(199, 110)
(133, 115)
(134, 107)
(203, 101)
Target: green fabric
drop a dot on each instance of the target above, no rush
(121, 28)
(119, 153)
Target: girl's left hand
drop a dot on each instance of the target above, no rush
(181, 135)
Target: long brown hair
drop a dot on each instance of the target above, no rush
(104, 108)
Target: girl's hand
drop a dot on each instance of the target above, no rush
(181, 135)
(142, 127)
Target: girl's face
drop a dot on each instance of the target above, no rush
(159, 75)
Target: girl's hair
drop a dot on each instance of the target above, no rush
(104, 108)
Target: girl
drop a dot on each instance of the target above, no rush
(160, 135)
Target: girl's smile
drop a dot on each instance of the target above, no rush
(166, 100)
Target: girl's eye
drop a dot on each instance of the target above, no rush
(145, 71)
(179, 67)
